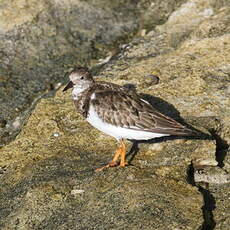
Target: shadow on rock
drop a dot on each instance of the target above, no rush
(169, 110)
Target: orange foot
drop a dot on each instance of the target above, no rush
(120, 152)
(110, 164)
(123, 165)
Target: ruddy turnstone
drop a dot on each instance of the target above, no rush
(119, 113)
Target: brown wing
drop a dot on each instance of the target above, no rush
(121, 109)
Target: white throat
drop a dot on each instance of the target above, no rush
(77, 91)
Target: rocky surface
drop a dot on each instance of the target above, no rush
(47, 172)
(40, 40)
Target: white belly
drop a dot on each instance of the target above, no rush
(117, 132)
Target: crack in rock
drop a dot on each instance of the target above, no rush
(209, 200)
(207, 209)
(207, 172)
(221, 147)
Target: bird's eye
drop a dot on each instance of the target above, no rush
(82, 78)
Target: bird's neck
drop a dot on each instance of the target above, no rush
(81, 98)
(79, 91)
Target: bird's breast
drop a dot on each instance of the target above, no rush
(81, 100)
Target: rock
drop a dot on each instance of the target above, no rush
(221, 211)
(212, 175)
(190, 54)
(43, 173)
(218, 189)
(46, 173)
(40, 41)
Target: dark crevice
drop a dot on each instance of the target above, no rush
(209, 201)
(221, 147)
(190, 175)
(208, 207)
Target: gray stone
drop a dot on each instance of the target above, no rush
(46, 173)
(41, 40)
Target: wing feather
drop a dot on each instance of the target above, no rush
(121, 109)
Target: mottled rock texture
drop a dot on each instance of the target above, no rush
(47, 173)
(40, 40)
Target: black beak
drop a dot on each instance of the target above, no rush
(68, 86)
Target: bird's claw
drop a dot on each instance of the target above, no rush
(111, 164)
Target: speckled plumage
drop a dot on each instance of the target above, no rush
(117, 106)
(119, 112)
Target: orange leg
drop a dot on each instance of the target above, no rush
(123, 163)
(120, 152)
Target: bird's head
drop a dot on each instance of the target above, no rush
(79, 77)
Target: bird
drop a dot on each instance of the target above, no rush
(119, 112)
